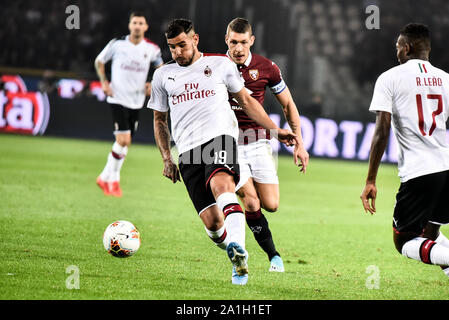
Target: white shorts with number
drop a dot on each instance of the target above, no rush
(256, 161)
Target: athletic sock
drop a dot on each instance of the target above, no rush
(427, 251)
(219, 237)
(258, 224)
(234, 217)
(116, 157)
(445, 270)
(443, 241)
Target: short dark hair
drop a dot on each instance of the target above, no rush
(239, 25)
(136, 14)
(178, 26)
(417, 33)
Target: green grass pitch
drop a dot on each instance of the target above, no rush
(52, 216)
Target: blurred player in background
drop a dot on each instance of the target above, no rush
(414, 97)
(259, 185)
(131, 58)
(194, 88)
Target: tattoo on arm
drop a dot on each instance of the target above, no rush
(162, 134)
(292, 121)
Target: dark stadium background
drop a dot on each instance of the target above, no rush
(328, 57)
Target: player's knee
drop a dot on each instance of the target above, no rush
(123, 140)
(249, 199)
(222, 182)
(271, 206)
(251, 204)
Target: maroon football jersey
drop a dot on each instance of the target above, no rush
(258, 73)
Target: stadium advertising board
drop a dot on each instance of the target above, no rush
(22, 111)
(331, 139)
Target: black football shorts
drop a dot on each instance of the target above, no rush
(421, 200)
(124, 119)
(198, 166)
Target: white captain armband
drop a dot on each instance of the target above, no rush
(279, 87)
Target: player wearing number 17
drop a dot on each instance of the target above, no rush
(414, 97)
(194, 88)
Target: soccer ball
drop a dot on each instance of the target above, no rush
(121, 239)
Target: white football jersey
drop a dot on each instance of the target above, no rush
(129, 69)
(197, 98)
(417, 95)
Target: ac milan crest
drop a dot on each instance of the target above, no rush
(207, 71)
(254, 74)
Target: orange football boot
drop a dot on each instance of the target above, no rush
(104, 186)
(114, 188)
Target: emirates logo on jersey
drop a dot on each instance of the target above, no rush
(207, 71)
(254, 74)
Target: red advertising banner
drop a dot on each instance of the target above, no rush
(22, 111)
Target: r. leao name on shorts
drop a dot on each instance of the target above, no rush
(192, 92)
(429, 81)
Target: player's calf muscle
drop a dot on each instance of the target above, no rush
(212, 219)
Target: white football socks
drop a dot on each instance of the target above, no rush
(427, 251)
(234, 218)
(116, 157)
(220, 237)
(443, 241)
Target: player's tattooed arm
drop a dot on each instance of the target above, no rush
(162, 137)
(378, 146)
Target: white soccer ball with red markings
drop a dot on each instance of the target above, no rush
(121, 239)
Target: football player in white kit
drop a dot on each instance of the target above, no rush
(414, 98)
(131, 58)
(194, 89)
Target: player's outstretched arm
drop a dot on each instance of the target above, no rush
(162, 137)
(300, 154)
(257, 113)
(378, 145)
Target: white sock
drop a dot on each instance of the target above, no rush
(220, 237)
(427, 251)
(234, 218)
(445, 270)
(116, 157)
(442, 240)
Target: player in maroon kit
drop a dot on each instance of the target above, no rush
(259, 185)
